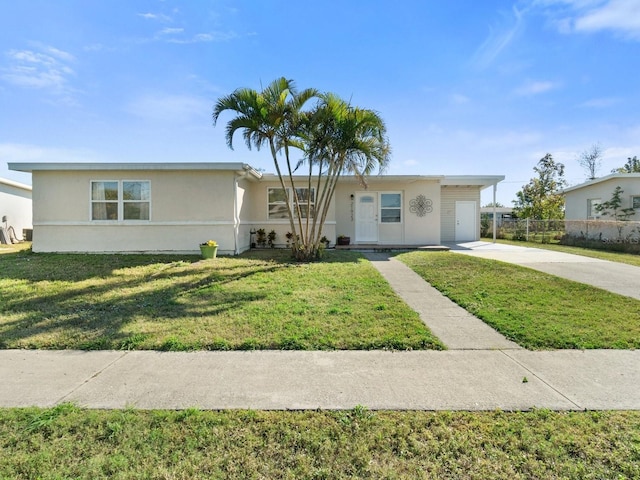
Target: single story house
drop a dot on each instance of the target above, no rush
(581, 201)
(15, 206)
(173, 207)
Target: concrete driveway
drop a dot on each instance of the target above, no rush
(612, 276)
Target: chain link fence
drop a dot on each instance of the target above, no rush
(600, 234)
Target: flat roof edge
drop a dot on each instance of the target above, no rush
(31, 167)
(11, 183)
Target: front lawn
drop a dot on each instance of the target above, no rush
(536, 310)
(68, 442)
(257, 301)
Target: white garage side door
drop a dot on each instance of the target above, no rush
(366, 217)
(466, 221)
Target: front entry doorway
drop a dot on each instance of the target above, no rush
(366, 217)
(466, 221)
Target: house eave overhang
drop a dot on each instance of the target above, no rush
(239, 168)
(482, 181)
(13, 184)
(600, 180)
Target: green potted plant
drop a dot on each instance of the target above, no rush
(344, 240)
(209, 249)
(262, 237)
(271, 238)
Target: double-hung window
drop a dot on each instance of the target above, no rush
(635, 202)
(390, 207)
(277, 202)
(114, 200)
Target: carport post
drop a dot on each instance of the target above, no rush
(495, 188)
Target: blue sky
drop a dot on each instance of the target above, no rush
(465, 86)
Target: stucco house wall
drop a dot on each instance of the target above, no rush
(258, 198)
(191, 203)
(186, 207)
(16, 205)
(412, 229)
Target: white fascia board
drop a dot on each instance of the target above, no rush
(600, 180)
(472, 180)
(11, 183)
(271, 177)
(60, 166)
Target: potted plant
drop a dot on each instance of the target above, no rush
(262, 237)
(209, 249)
(344, 240)
(324, 240)
(271, 238)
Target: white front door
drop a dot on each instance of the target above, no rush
(466, 221)
(366, 217)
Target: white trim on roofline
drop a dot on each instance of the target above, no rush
(479, 180)
(600, 180)
(174, 166)
(449, 180)
(243, 168)
(11, 183)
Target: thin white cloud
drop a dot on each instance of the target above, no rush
(621, 16)
(535, 88)
(47, 69)
(498, 40)
(169, 107)
(20, 152)
(170, 31)
(155, 16)
(460, 99)
(410, 163)
(600, 102)
(204, 38)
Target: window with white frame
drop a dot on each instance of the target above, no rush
(277, 202)
(391, 207)
(635, 202)
(113, 200)
(592, 204)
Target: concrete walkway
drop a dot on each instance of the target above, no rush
(612, 276)
(425, 380)
(453, 325)
(481, 371)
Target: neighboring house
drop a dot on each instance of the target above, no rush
(502, 214)
(581, 200)
(582, 217)
(173, 207)
(15, 206)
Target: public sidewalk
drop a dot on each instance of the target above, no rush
(480, 371)
(425, 380)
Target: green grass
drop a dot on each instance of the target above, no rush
(67, 442)
(159, 302)
(628, 258)
(536, 310)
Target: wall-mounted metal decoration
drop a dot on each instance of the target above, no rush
(421, 205)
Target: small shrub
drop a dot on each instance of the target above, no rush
(261, 238)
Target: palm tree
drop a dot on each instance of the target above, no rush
(269, 117)
(335, 137)
(341, 139)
